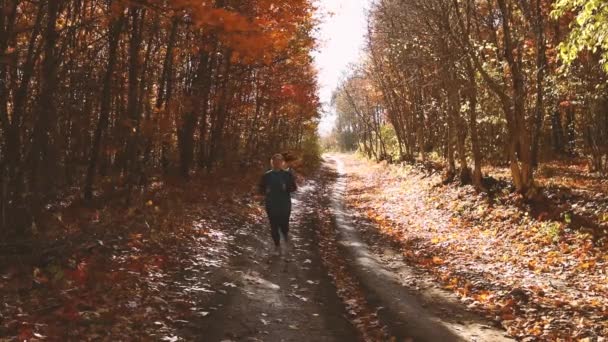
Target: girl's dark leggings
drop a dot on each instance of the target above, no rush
(279, 223)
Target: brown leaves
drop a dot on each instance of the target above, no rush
(539, 279)
(118, 285)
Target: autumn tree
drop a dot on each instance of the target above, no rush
(97, 96)
(482, 82)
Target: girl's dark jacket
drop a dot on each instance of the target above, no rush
(277, 186)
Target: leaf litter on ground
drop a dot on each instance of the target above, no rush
(123, 272)
(539, 276)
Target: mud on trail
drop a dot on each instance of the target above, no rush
(330, 285)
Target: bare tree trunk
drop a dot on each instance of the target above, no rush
(541, 64)
(165, 91)
(222, 113)
(570, 131)
(104, 110)
(131, 156)
(520, 149)
(186, 132)
(451, 108)
(477, 176)
(44, 129)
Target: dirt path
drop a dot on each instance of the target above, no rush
(292, 298)
(269, 298)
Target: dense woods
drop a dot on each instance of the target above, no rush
(102, 95)
(480, 83)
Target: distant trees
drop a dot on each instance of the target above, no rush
(482, 83)
(360, 116)
(111, 91)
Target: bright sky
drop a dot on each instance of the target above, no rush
(341, 39)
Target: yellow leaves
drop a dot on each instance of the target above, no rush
(428, 262)
(464, 291)
(521, 248)
(534, 265)
(60, 23)
(438, 261)
(587, 265)
(553, 257)
(452, 284)
(596, 303)
(488, 232)
(536, 330)
(483, 296)
(560, 278)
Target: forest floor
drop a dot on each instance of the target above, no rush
(193, 262)
(538, 270)
(124, 272)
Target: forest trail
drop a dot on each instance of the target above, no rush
(272, 298)
(294, 298)
(214, 277)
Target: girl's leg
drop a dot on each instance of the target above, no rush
(285, 226)
(275, 226)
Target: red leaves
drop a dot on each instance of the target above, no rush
(69, 311)
(80, 274)
(288, 90)
(257, 33)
